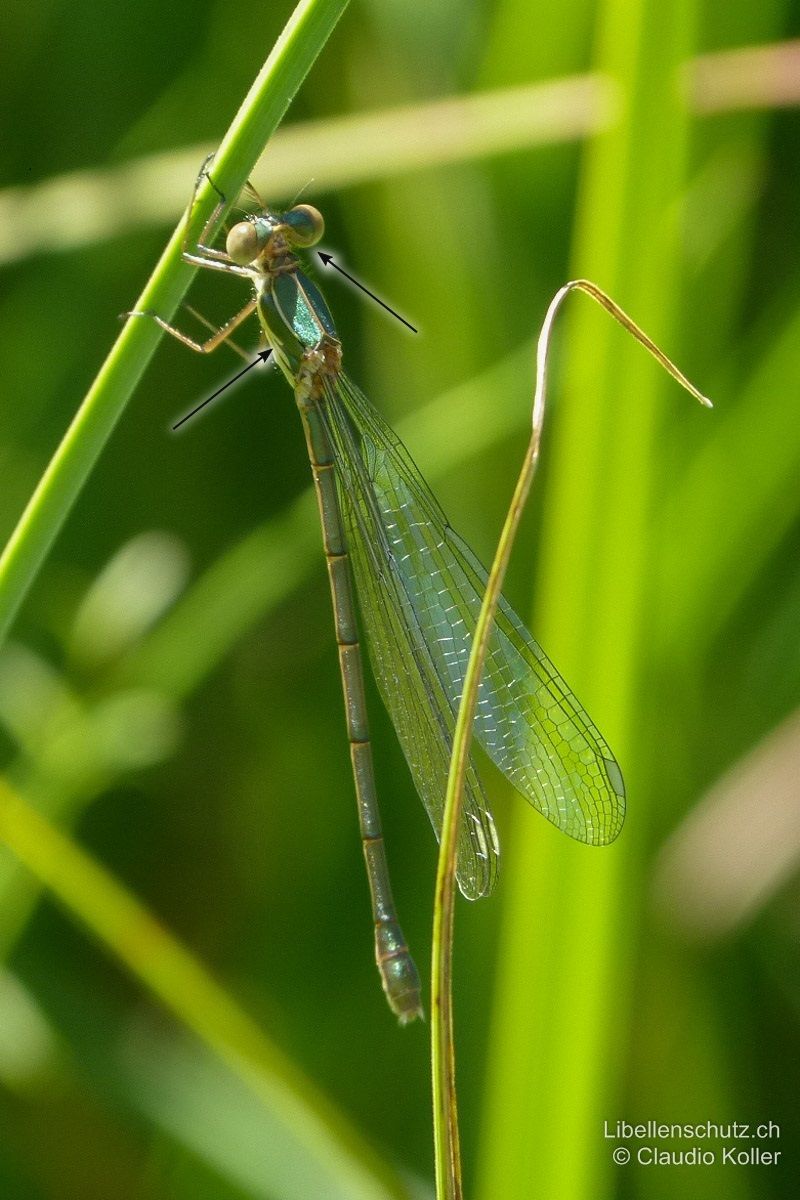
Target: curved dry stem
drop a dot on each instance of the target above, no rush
(445, 1108)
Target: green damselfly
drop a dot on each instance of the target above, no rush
(419, 588)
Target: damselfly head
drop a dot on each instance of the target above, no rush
(274, 234)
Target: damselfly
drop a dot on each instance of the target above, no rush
(419, 589)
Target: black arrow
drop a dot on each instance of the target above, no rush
(328, 261)
(263, 355)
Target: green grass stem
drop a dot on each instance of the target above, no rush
(259, 115)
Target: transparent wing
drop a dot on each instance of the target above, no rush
(527, 719)
(404, 668)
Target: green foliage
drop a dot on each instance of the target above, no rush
(169, 701)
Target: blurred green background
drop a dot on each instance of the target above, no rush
(170, 696)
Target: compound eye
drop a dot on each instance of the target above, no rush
(244, 242)
(305, 224)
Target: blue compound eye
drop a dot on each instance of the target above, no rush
(305, 225)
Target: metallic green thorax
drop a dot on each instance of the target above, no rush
(295, 317)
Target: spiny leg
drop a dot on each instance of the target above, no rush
(217, 338)
(200, 244)
(249, 186)
(212, 259)
(198, 316)
(210, 256)
(199, 254)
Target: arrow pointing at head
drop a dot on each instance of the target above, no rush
(328, 261)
